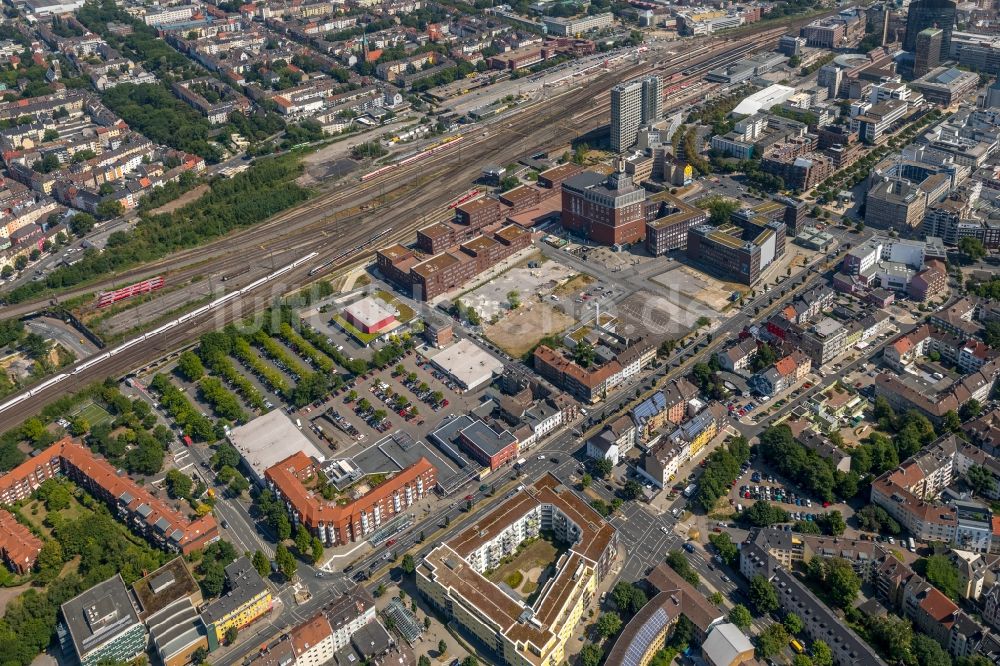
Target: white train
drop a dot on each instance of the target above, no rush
(89, 363)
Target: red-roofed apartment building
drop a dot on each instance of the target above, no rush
(18, 546)
(335, 523)
(136, 506)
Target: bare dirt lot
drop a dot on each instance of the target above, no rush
(490, 300)
(520, 331)
(184, 199)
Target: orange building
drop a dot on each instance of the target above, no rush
(336, 523)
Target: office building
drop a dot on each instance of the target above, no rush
(873, 124)
(426, 278)
(512, 631)
(928, 50)
(923, 14)
(247, 598)
(489, 446)
(633, 104)
(830, 77)
(945, 85)
(736, 254)
(669, 230)
(895, 204)
(577, 25)
(611, 210)
(101, 625)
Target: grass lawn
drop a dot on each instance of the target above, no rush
(405, 311)
(353, 331)
(34, 512)
(539, 555)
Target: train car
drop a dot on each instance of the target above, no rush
(110, 297)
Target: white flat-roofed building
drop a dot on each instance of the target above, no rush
(468, 364)
(269, 439)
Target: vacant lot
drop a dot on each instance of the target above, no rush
(491, 299)
(521, 330)
(524, 571)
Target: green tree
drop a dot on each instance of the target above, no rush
(55, 494)
(741, 617)
(680, 564)
(408, 565)
(231, 634)
(317, 550)
(628, 598)
(261, 564)
(602, 468)
(793, 624)
(608, 624)
(424, 660)
(951, 422)
(972, 248)
(632, 490)
(928, 651)
(179, 484)
(841, 583)
(970, 409)
(762, 595)
(822, 655)
(591, 655)
(940, 572)
(772, 641)
(584, 354)
(980, 480)
(716, 598)
(442, 648)
(190, 366)
(832, 523)
(728, 551)
(198, 656)
(585, 481)
(50, 561)
(109, 209)
(285, 561)
(303, 541)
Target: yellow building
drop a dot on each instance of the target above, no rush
(451, 577)
(247, 598)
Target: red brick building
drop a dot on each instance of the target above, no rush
(479, 213)
(610, 211)
(556, 176)
(335, 523)
(432, 276)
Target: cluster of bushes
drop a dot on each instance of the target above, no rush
(224, 404)
(722, 467)
(816, 474)
(182, 411)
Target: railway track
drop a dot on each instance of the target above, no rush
(295, 228)
(444, 171)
